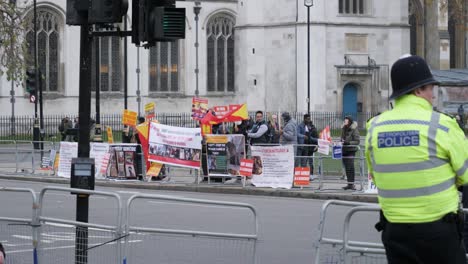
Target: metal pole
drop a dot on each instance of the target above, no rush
(138, 81)
(35, 51)
(98, 76)
(308, 59)
(12, 100)
(196, 10)
(36, 126)
(82, 201)
(125, 67)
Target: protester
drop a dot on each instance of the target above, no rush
(257, 135)
(273, 128)
(350, 138)
(306, 135)
(289, 131)
(63, 127)
(417, 157)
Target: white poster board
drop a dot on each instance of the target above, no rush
(68, 151)
(323, 147)
(97, 152)
(177, 146)
(273, 166)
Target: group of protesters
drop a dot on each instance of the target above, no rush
(265, 131)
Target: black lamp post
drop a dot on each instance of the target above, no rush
(196, 11)
(308, 4)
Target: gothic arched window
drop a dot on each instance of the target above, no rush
(220, 53)
(164, 67)
(110, 64)
(49, 28)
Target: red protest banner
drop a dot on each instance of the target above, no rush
(301, 176)
(246, 167)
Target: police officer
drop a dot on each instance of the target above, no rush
(417, 158)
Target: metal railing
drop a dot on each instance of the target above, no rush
(12, 229)
(22, 127)
(335, 250)
(240, 247)
(54, 239)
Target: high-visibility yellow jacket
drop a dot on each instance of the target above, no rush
(417, 157)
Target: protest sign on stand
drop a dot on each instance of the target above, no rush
(68, 151)
(224, 153)
(301, 176)
(177, 146)
(273, 166)
(246, 167)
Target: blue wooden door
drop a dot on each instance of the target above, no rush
(350, 100)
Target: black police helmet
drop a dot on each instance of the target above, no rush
(408, 74)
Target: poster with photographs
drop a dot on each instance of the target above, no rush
(273, 166)
(123, 161)
(177, 146)
(224, 153)
(199, 107)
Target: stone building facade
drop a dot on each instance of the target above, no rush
(250, 51)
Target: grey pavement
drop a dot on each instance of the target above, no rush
(182, 180)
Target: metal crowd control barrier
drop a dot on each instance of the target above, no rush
(14, 232)
(25, 157)
(9, 150)
(367, 252)
(204, 247)
(328, 165)
(103, 240)
(333, 250)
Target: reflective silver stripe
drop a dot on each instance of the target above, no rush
(433, 161)
(408, 167)
(423, 191)
(463, 169)
(369, 141)
(411, 122)
(431, 135)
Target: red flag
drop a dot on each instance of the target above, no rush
(231, 116)
(325, 134)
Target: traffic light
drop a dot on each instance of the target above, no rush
(158, 20)
(76, 12)
(31, 81)
(107, 11)
(166, 24)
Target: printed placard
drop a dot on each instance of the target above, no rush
(199, 107)
(110, 135)
(337, 152)
(178, 146)
(129, 118)
(221, 111)
(246, 167)
(150, 111)
(301, 176)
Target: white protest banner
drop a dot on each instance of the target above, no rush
(178, 146)
(68, 150)
(98, 151)
(323, 147)
(273, 166)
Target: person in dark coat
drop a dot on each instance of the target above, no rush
(350, 138)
